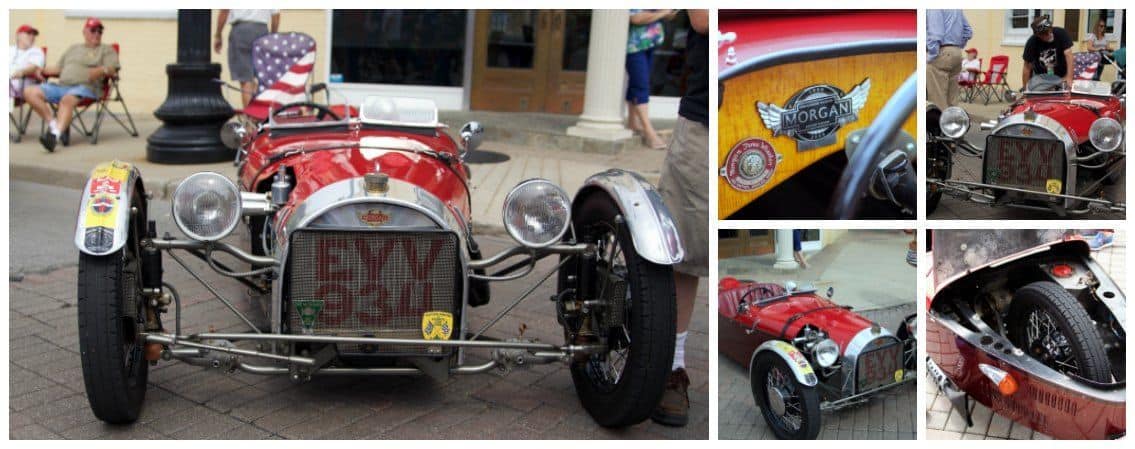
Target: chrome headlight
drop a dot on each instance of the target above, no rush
(1106, 134)
(954, 122)
(537, 213)
(206, 206)
(826, 352)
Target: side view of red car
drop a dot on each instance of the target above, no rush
(806, 353)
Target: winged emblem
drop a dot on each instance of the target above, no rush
(813, 114)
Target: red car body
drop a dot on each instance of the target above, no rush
(1045, 400)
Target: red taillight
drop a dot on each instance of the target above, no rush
(1062, 270)
(1006, 384)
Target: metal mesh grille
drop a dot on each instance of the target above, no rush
(372, 283)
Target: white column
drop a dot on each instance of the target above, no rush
(602, 96)
(784, 259)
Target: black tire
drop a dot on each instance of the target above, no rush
(909, 343)
(932, 200)
(1083, 344)
(649, 321)
(115, 371)
(805, 400)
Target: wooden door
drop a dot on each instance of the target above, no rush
(530, 61)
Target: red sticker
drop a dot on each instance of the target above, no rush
(750, 164)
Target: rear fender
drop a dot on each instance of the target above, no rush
(795, 360)
(652, 227)
(104, 211)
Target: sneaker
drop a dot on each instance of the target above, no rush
(65, 138)
(48, 141)
(674, 408)
(1101, 240)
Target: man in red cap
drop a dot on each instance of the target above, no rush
(26, 60)
(971, 67)
(81, 70)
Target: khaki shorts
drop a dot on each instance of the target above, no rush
(685, 190)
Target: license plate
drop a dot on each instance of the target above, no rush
(1035, 164)
(879, 367)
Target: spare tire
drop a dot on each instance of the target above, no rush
(1050, 325)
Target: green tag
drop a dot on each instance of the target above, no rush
(308, 310)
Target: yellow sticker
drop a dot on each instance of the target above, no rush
(1053, 185)
(100, 211)
(898, 375)
(795, 354)
(437, 325)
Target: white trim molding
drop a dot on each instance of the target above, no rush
(149, 14)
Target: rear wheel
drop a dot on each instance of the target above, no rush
(111, 315)
(1051, 326)
(791, 409)
(622, 385)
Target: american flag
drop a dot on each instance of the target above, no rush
(1086, 64)
(283, 64)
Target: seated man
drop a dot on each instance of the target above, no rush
(27, 59)
(81, 70)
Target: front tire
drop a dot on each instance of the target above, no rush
(791, 409)
(622, 386)
(1050, 325)
(110, 316)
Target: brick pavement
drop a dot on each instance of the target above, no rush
(47, 399)
(943, 422)
(887, 416)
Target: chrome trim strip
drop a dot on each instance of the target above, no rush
(819, 52)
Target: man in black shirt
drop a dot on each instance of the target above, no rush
(1048, 56)
(685, 190)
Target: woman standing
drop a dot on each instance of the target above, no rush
(1097, 42)
(645, 33)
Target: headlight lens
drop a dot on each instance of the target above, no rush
(954, 122)
(826, 352)
(1106, 134)
(536, 213)
(206, 206)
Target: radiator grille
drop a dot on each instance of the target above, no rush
(372, 283)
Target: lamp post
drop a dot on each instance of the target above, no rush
(194, 109)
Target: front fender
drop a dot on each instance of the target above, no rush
(104, 211)
(795, 360)
(652, 228)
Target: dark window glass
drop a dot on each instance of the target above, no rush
(726, 233)
(811, 235)
(577, 33)
(758, 232)
(512, 42)
(419, 47)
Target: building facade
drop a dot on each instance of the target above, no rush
(495, 60)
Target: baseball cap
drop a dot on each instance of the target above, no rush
(971, 50)
(1042, 25)
(25, 28)
(93, 22)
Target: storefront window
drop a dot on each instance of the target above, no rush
(577, 34)
(512, 44)
(419, 47)
(668, 76)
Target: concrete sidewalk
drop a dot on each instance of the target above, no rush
(868, 269)
(70, 166)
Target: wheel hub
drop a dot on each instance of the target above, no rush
(776, 400)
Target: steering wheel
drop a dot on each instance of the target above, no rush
(856, 179)
(321, 110)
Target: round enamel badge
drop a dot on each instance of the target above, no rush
(749, 164)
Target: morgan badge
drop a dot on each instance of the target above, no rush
(437, 325)
(813, 115)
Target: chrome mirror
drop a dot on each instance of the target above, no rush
(471, 135)
(234, 135)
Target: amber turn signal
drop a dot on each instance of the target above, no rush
(1005, 382)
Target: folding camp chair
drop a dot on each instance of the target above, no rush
(109, 94)
(21, 114)
(993, 82)
(969, 85)
(1086, 64)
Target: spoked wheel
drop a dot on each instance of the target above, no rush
(621, 385)
(110, 317)
(790, 408)
(1052, 327)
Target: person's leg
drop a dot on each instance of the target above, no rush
(632, 118)
(35, 97)
(953, 59)
(66, 112)
(936, 80)
(247, 88)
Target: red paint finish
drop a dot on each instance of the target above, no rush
(1041, 405)
(315, 170)
(1075, 112)
(762, 32)
(768, 321)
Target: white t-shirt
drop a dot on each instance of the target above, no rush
(20, 60)
(966, 74)
(251, 15)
